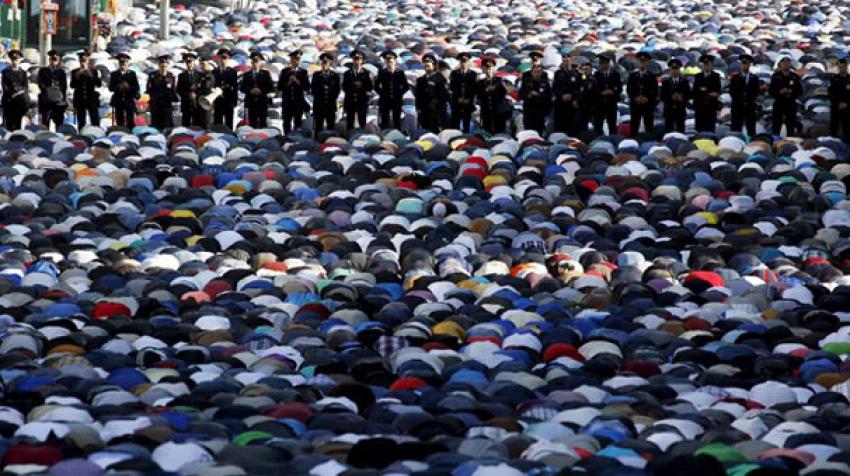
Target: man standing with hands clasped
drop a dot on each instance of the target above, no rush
(357, 84)
(292, 84)
(462, 85)
(536, 94)
(744, 87)
(491, 97)
(225, 78)
(15, 99)
(432, 93)
(643, 95)
(675, 94)
(566, 86)
(391, 86)
(53, 95)
(161, 84)
(325, 86)
(125, 90)
(84, 81)
(257, 85)
(839, 102)
(610, 88)
(785, 87)
(706, 93)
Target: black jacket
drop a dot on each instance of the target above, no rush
(703, 86)
(431, 90)
(462, 85)
(161, 89)
(780, 81)
(188, 82)
(85, 82)
(588, 93)
(52, 77)
(566, 82)
(325, 89)
(391, 87)
(839, 89)
(356, 96)
(292, 92)
(124, 87)
(541, 103)
(261, 80)
(669, 87)
(744, 93)
(643, 83)
(491, 100)
(611, 81)
(227, 80)
(15, 85)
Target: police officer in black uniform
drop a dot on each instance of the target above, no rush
(16, 99)
(227, 80)
(642, 89)
(391, 86)
(292, 84)
(587, 98)
(745, 88)
(188, 88)
(785, 88)
(53, 91)
(566, 87)
(706, 92)
(462, 87)
(432, 95)
(536, 94)
(492, 99)
(125, 90)
(325, 86)
(839, 102)
(84, 81)
(161, 89)
(357, 85)
(676, 95)
(257, 85)
(610, 89)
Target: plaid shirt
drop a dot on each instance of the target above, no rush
(387, 346)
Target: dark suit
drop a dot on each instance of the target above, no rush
(706, 105)
(226, 79)
(785, 90)
(326, 87)
(606, 111)
(536, 94)
(391, 87)
(125, 91)
(566, 82)
(200, 84)
(642, 83)
(745, 92)
(16, 99)
(257, 104)
(86, 98)
(491, 94)
(462, 87)
(51, 110)
(587, 102)
(292, 84)
(839, 119)
(675, 94)
(162, 95)
(432, 95)
(357, 86)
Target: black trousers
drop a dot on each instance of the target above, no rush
(534, 120)
(674, 120)
(744, 117)
(13, 116)
(324, 118)
(431, 120)
(705, 118)
(492, 121)
(785, 112)
(390, 116)
(642, 113)
(195, 116)
(125, 116)
(84, 109)
(584, 117)
(606, 114)
(565, 118)
(293, 117)
(258, 116)
(223, 113)
(52, 113)
(357, 112)
(162, 116)
(839, 122)
(461, 117)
